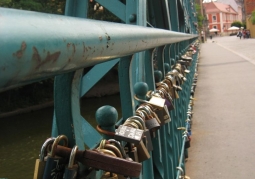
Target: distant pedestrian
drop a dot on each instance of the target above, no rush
(244, 34)
(248, 34)
(202, 37)
(239, 34)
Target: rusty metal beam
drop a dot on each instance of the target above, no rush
(35, 46)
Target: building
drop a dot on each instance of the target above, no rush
(249, 7)
(238, 6)
(220, 16)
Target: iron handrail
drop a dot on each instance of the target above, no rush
(35, 46)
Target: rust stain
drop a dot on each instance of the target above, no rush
(84, 48)
(107, 36)
(36, 57)
(50, 58)
(20, 52)
(73, 48)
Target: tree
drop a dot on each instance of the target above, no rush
(47, 6)
(237, 24)
(200, 18)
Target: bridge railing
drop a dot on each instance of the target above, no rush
(36, 46)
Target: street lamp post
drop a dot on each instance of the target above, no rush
(205, 28)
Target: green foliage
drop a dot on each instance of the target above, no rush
(200, 18)
(253, 17)
(47, 6)
(237, 24)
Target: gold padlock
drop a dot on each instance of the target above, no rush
(157, 102)
(109, 175)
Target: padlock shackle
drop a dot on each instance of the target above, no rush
(56, 142)
(72, 157)
(140, 119)
(45, 146)
(117, 143)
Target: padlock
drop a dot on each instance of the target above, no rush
(164, 116)
(155, 101)
(172, 80)
(119, 146)
(109, 149)
(109, 175)
(151, 111)
(166, 95)
(40, 163)
(131, 151)
(169, 85)
(169, 100)
(128, 134)
(72, 167)
(55, 165)
(147, 137)
(142, 152)
(151, 122)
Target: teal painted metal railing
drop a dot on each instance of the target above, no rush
(35, 46)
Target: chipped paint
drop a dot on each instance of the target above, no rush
(20, 52)
(50, 58)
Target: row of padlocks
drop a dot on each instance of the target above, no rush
(121, 153)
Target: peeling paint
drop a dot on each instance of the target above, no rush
(36, 57)
(20, 52)
(74, 50)
(50, 58)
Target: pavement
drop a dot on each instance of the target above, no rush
(223, 128)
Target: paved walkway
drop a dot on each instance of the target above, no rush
(223, 130)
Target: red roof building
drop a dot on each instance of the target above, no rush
(220, 16)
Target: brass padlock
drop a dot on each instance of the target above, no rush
(109, 175)
(155, 101)
(151, 111)
(40, 163)
(119, 146)
(109, 149)
(131, 150)
(172, 80)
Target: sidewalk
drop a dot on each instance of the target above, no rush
(223, 129)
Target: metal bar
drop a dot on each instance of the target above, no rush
(95, 74)
(35, 45)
